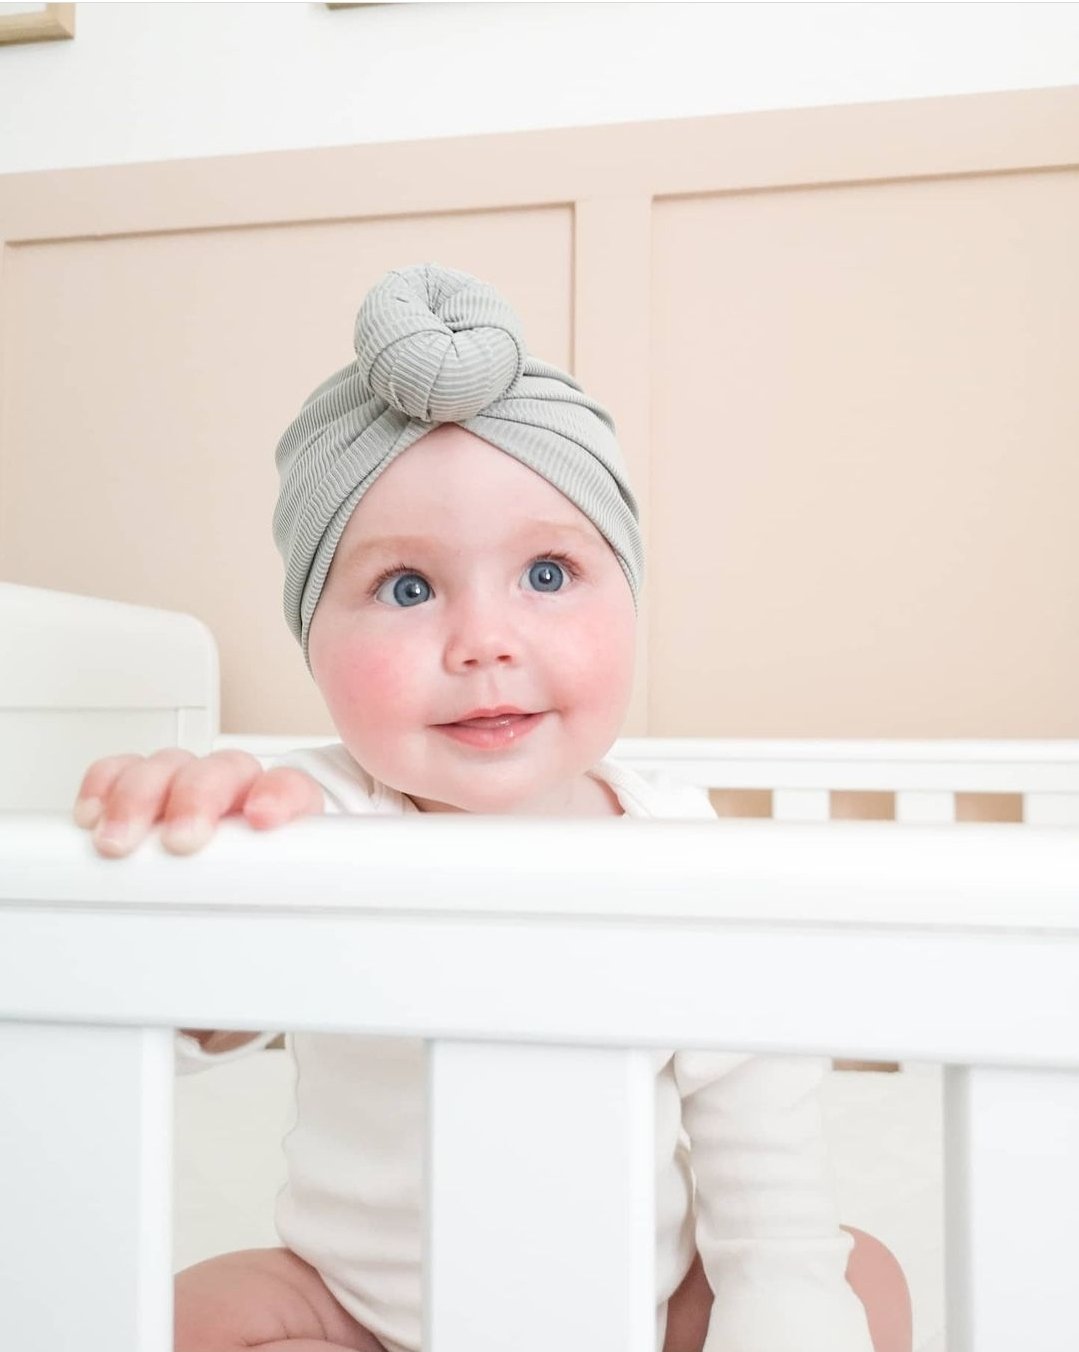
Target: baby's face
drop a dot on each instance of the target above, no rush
(478, 612)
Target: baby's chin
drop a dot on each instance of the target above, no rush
(532, 785)
(493, 795)
(478, 803)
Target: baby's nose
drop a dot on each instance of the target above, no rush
(480, 655)
(482, 636)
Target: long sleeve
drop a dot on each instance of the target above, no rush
(767, 1222)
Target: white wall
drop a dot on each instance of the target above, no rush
(144, 81)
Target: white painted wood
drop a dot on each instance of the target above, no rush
(501, 1255)
(85, 1188)
(46, 752)
(728, 925)
(949, 765)
(801, 805)
(924, 805)
(1012, 1196)
(196, 726)
(1051, 809)
(83, 678)
(837, 872)
(729, 986)
(70, 651)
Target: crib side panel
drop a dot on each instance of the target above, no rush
(520, 1138)
(85, 1188)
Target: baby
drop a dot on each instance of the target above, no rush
(463, 562)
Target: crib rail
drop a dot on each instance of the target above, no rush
(926, 778)
(493, 897)
(857, 938)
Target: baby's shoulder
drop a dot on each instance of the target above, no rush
(348, 787)
(651, 792)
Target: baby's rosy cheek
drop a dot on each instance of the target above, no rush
(342, 671)
(599, 686)
(608, 668)
(379, 679)
(596, 646)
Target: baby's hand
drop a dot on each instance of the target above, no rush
(124, 796)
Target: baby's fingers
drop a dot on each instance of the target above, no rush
(281, 795)
(96, 786)
(134, 799)
(204, 792)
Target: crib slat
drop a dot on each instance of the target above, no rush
(1011, 1141)
(924, 805)
(801, 805)
(1051, 809)
(85, 1188)
(558, 1252)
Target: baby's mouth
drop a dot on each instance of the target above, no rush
(500, 721)
(491, 731)
(490, 716)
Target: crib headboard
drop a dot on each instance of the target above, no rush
(82, 677)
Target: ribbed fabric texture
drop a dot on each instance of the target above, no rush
(436, 345)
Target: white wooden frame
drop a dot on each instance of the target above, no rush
(917, 940)
(957, 945)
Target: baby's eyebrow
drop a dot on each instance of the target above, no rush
(405, 544)
(388, 544)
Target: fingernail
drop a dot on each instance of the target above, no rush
(114, 837)
(87, 812)
(187, 835)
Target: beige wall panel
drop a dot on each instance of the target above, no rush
(611, 343)
(148, 379)
(839, 345)
(865, 480)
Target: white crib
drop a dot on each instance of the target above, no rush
(537, 988)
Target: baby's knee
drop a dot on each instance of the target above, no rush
(239, 1300)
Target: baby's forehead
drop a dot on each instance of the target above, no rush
(454, 488)
(510, 536)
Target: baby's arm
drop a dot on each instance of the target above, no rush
(122, 797)
(767, 1219)
(216, 1041)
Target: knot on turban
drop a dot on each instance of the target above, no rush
(437, 344)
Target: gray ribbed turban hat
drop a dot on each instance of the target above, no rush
(434, 345)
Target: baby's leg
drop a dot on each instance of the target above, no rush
(880, 1285)
(688, 1311)
(266, 1299)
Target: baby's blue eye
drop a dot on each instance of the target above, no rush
(409, 589)
(546, 575)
